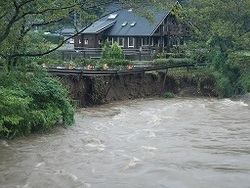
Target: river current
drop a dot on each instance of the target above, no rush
(152, 143)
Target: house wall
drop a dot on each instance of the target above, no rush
(169, 33)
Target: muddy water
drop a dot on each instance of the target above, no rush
(180, 142)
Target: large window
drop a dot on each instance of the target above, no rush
(86, 41)
(121, 41)
(131, 42)
(146, 41)
(111, 40)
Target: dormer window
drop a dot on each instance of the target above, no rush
(124, 23)
(112, 16)
(133, 24)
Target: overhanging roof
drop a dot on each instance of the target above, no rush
(99, 26)
(126, 23)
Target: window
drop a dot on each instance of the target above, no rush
(167, 28)
(133, 24)
(86, 41)
(152, 41)
(124, 23)
(121, 41)
(145, 41)
(111, 40)
(131, 42)
(112, 16)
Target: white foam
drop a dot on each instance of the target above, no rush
(39, 164)
(100, 147)
(148, 148)
(131, 163)
(5, 143)
(229, 102)
(149, 133)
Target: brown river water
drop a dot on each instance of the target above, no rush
(152, 143)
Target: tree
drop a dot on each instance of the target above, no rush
(20, 18)
(219, 23)
(221, 29)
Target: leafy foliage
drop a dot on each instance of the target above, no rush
(220, 30)
(116, 64)
(112, 52)
(105, 50)
(32, 102)
(115, 52)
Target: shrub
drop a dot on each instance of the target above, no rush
(116, 64)
(169, 95)
(55, 39)
(112, 52)
(161, 62)
(115, 52)
(161, 55)
(14, 109)
(31, 102)
(105, 50)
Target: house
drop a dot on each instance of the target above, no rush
(133, 32)
(66, 33)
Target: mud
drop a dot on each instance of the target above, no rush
(89, 91)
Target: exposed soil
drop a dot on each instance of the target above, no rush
(88, 91)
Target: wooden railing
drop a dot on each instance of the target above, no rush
(137, 70)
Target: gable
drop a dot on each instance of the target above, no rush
(124, 22)
(130, 24)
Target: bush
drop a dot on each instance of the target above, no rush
(162, 62)
(55, 39)
(223, 85)
(116, 64)
(169, 95)
(32, 102)
(14, 109)
(112, 52)
(115, 52)
(105, 50)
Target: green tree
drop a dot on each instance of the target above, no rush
(105, 49)
(19, 18)
(115, 52)
(221, 31)
(31, 102)
(220, 24)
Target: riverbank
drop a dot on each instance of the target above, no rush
(91, 91)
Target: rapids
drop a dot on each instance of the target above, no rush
(181, 142)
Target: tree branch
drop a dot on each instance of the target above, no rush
(10, 24)
(47, 52)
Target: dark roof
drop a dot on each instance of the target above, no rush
(120, 25)
(99, 26)
(66, 31)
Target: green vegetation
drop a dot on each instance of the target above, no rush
(169, 95)
(32, 102)
(219, 40)
(113, 57)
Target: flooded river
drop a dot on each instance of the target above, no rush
(153, 143)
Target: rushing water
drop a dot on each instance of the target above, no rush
(154, 143)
